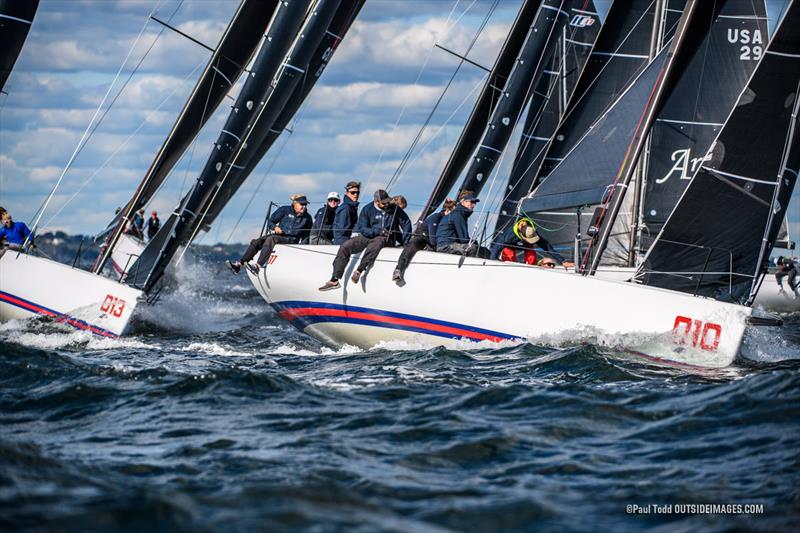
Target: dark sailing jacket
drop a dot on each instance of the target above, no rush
(297, 227)
(509, 239)
(453, 227)
(430, 225)
(373, 222)
(405, 226)
(153, 225)
(323, 222)
(345, 220)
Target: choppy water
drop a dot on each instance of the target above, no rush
(216, 415)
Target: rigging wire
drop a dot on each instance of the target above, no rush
(419, 76)
(86, 133)
(404, 161)
(120, 147)
(572, 108)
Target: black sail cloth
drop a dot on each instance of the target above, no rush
(548, 105)
(16, 18)
(711, 245)
(694, 113)
(534, 56)
(237, 45)
(620, 54)
(484, 106)
(249, 104)
(345, 15)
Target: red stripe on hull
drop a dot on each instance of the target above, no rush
(290, 314)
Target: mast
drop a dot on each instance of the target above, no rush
(234, 50)
(718, 236)
(15, 20)
(246, 124)
(656, 42)
(485, 104)
(619, 56)
(617, 192)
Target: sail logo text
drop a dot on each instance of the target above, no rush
(751, 43)
(696, 332)
(685, 165)
(113, 305)
(581, 21)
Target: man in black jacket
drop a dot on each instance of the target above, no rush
(346, 213)
(289, 224)
(424, 237)
(378, 226)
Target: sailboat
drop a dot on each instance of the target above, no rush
(681, 135)
(31, 285)
(449, 299)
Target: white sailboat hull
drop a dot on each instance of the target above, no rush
(444, 304)
(769, 297)
(34, 286)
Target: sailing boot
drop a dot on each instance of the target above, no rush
(234, 267)
(252, 267)
(356, 276)
(397, 277)
(330, 285)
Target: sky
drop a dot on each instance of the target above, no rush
(356, 124)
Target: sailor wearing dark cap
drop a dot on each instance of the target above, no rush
(347, 213)
(290, 224)
(378, 226)
(452, 234)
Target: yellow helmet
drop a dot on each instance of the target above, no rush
(520, 222)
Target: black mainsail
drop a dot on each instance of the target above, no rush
(693, 113)
(716, 240)
(622, 50)
(527, 73)
(615, 141)
(484, 106)
(346, 14)
(251, 118)
(551, 97)
(236, 47)
(16, 18)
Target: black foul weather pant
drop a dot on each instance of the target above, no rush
(417, 243)
(791, 277)
(359, 243)
(266, 244)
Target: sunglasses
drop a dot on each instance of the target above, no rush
(354, 192)
(333, 200)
